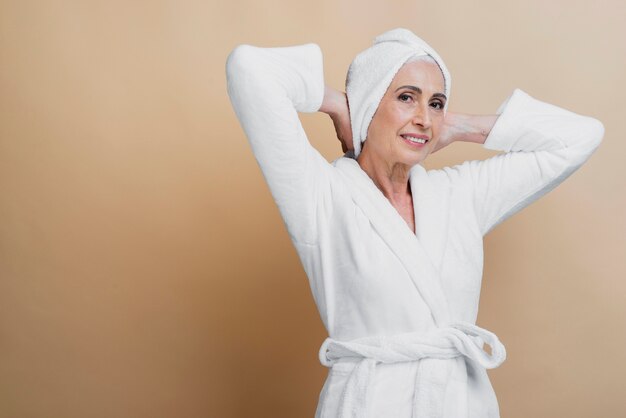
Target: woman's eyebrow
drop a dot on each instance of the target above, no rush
(419, 91)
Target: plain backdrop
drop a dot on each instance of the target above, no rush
(145, 271)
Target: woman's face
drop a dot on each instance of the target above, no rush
(413, 104)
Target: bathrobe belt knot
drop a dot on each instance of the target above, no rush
(454, 340)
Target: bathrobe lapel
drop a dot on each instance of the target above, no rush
(397, 234)
(431, 209)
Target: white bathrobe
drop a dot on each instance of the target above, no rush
(404, 303)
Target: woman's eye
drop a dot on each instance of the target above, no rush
(402, 96)
(438, 105)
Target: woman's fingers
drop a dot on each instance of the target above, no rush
(447, 132)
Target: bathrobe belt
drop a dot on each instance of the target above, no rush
(455, 340)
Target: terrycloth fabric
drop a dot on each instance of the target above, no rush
(444, 340)
(372, 71)
(447, 342)
(454, 340)
(370, 275)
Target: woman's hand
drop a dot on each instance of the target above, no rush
(448, 131)
(335, 105)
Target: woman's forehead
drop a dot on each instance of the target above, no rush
(424, 74)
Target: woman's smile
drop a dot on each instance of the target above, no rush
(416, 141)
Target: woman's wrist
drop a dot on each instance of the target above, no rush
(333, 101)
(472, 128)
(335, 105)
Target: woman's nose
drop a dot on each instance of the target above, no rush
(422, 117)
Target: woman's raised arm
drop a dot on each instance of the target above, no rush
(544, 145)
(267, 87)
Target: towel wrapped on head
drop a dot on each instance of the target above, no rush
(372, 71)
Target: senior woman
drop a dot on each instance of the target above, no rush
(393, 252)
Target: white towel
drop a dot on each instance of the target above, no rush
(372, 71)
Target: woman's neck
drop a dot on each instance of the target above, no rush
(392, 178)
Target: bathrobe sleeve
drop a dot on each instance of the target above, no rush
(267, 87)
(544, 145)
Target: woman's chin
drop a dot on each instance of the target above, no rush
(413, 157)
(414, 154)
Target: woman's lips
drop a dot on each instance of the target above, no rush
(414, 138)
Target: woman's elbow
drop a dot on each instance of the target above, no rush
(593, 132)
(597, 131)
(239, 60)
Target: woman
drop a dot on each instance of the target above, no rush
(393, 251)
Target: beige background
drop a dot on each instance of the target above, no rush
(145, 270)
